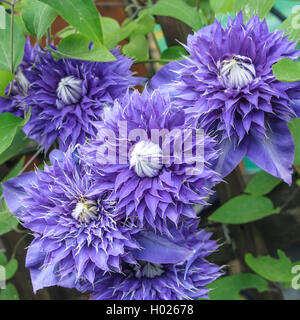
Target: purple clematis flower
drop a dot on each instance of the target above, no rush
(168, 268)
(227, 85)
(151, 190)
(76, 228)
(67, 96)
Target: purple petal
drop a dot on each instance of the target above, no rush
(230, 156)
(274, 154)
(14, 193)
(158, 249)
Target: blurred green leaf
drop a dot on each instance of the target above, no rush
(250, 8)
(11, 268)
(174, 53)
(19, 143)
(143, 24)
(3, 259)
(14, 172)
(10, 293)
(177, 9)
(5, 47)
(81, 14)
(276, 270)
(244, 209)
(37, 17)
(5, 78)
(287, 70)
(295, 130)
(262, 183)
(20, 22)
(229, 287)
(7, 222)
(222, 6)
(109, 26)
(9, 127)
(137, 48)
(76, 46)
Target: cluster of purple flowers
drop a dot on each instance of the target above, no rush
(113, 214)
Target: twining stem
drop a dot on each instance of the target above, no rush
(17, 245)
(297, 169)
(12, 7)
(30, 161)
(198, 5)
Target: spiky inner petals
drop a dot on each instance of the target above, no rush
(236, 72)
(148, 270)
(69, 91)
(85, 211)
(146, 159)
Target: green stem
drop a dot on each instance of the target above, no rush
(11, 43)
(154, 61)
(7, 2)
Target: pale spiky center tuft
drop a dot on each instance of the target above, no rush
(146, 159)
(85, 211)
(236, 72)
(69, 90)
(148, 270)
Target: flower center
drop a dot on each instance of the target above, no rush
(85, 211)
(146, 158)
(69, 90)
(22, 81)
(237, 72)
(148, 270)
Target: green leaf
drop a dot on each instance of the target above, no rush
(5, 78)
(14, 172)
(37, 17)
(20, 22)
(3, 260)
(19, 143)
(65, 32)
(287, 70)
(5, 50)
(174, 53)
(276, 270)
(7, 222)
(298, 182)
(76, 46)
(250, 8)
(81, 14)
(222, 6)
(109, 26)
(137, 47)
(244, 209)
(262, 183)
(11, 268)
(292, 26)
(143, 24)
(9, 293)
(9, 126)
(177, 9)
(295, 130)
(229, 287)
